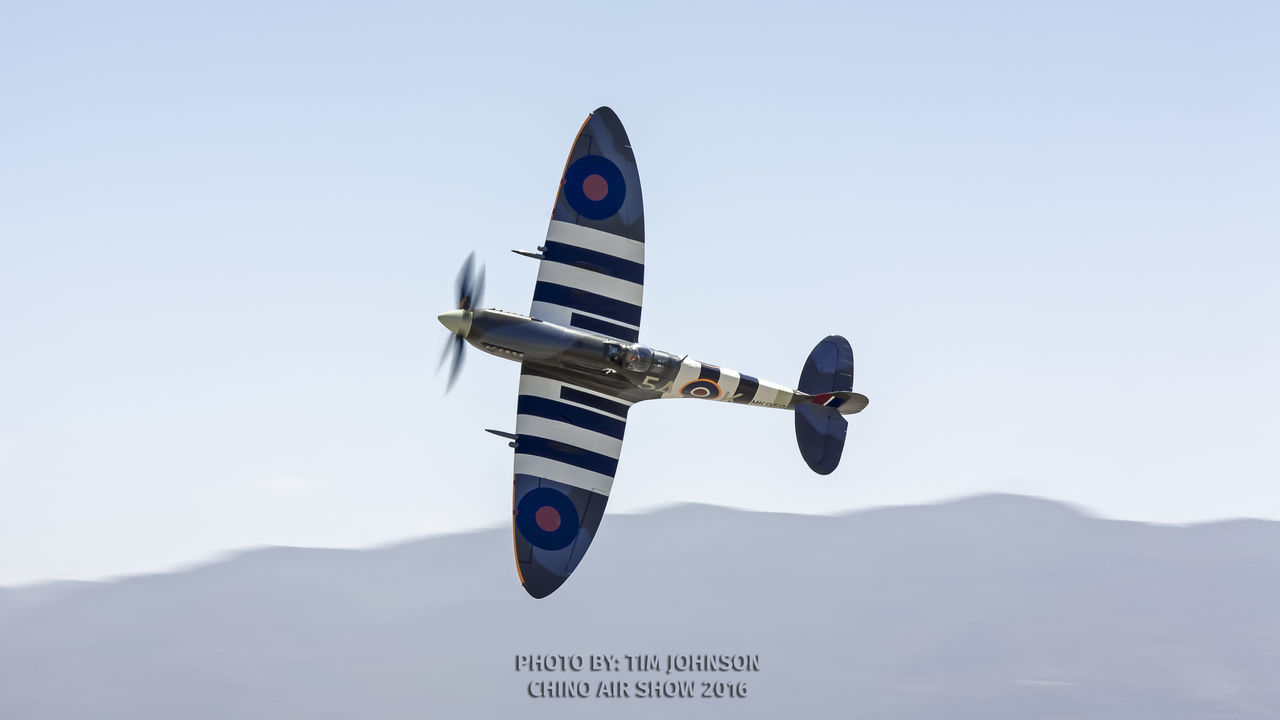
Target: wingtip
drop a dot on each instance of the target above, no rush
(540, 584)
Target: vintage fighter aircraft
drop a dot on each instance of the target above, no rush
(581, 367)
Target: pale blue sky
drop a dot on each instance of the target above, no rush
(1049, 232)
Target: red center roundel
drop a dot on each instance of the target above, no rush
(595, 187)
(547, 518)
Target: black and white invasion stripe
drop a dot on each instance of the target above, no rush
(566, 433)
(734, 386)
(590, 280)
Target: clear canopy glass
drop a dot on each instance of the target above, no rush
(633, 357)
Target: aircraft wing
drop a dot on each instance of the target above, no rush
(568, 440)
(592, 273)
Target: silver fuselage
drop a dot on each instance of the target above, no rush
(598, 362)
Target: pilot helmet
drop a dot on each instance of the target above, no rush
(637, 358)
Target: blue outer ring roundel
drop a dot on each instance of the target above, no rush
(544, 498)
(615, 187)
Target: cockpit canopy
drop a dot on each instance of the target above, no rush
(633, 357)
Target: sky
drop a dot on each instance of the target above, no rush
(1050, 233)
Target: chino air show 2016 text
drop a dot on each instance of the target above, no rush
(640, 663)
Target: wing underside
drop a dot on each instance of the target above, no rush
(592, 273)
(568, 440)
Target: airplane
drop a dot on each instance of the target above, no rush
(582, 366)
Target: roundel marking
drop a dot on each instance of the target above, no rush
(702, 388)
(547, 519)
(594, 187)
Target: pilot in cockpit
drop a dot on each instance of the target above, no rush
(634, 357)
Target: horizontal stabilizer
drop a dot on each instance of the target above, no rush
(845, 401)
(820, 433)
(827, 379)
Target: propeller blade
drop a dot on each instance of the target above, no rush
(466, 283)
(458, 355)
(477, 292)
(448, 345)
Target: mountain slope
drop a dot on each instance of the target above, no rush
(989, 607)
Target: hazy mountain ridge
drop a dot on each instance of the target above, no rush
(992, 606)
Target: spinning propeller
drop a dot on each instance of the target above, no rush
(470, 295)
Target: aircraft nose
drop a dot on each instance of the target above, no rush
(457, 321)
